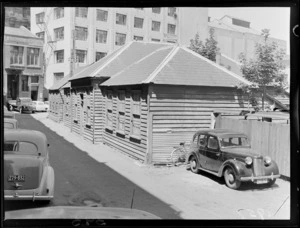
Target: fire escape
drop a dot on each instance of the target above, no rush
(50, 46)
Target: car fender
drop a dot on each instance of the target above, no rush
(50, 180)
(192, 154)
(238, 167)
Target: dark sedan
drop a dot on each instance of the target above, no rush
(228, 154)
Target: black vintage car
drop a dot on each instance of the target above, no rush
(228, 154)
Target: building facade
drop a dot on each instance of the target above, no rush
(17, 16)
(23, 65)
(99, 31)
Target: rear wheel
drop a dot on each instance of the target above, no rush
(176, 155)
(194, 164)
(231, 179)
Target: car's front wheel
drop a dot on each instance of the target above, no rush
(194, 164)
(231, 179)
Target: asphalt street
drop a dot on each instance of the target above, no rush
(82, 181)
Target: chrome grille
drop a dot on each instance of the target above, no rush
(258, 167)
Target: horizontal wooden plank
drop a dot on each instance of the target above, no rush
(181, 117)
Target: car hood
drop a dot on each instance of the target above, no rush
(77, 212)
(241, 151)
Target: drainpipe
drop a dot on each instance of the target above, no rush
(94, 115)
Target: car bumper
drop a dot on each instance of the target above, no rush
(32, 197)
(252, 178)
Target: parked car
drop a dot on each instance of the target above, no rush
(228, 154)
(39, 106)
(10, 123)
(24, 104)
(27, 172)
(12, 104)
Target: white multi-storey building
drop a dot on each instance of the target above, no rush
(99, 31)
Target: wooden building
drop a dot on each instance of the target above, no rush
(145, 98)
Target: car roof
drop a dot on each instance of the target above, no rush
(33, 136)
(220, 132)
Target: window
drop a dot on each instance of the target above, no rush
(101, 36)
(21, 147)
(39, 18)
(138, 22)
(202, 141)
(156, 26)
(138, 38)
(81, 12)
(155, 40)
(58, 76)
(156, 10)
(88, 115)
(33, 56)
(171, 11)
(171, 29)
(16, 55)
(59, 56)
(67, 108)
(120, 39)
(34, 79)
(212, 143)
(75, 108)
(26, 12)
(102, 15)
(120, 19)
(100, 55)
(109, 111)
(136, 114)
(59, 33)
(121, 112)
(58, 12)
(81, 33)
(80, 56)
(25, 87)
(41, 35)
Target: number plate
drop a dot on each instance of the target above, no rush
(262, 181)
(12, 178)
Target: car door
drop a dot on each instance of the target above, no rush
(202, 142)
(213, 154)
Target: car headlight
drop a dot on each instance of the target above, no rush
(248, 161)
(267, 160)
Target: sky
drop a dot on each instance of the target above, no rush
(277, 19)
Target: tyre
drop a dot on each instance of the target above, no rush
(231, 179)
(271, 182)
(194, 164)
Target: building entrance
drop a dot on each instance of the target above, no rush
(12, 86)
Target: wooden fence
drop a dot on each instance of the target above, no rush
(267, 138)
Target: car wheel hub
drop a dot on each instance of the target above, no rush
(230, 178)
(193, 164)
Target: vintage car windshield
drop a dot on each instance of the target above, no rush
(26, 148)
(234, 142)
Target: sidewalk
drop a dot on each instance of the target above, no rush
(193, 196)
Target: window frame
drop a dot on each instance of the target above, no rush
(59, 33)
(98, 14)
(138, 21)
(105, 54)
(81, 33)
(109, 110)
(170, 29)
(101, 34)
(120, 16)
(17, 55)
(135, 122)
(121, 112)
(153, 11)
(59, 12)
(120, 35)
(61, 52)
(158, 23)
(78, 52)
(25, 83)
(81, 12)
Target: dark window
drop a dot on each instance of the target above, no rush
(58, 76)
(212, 143)
(81, 12)
(81, 33)
(155, 26)
(39, 18)
(120, 39)
(238, 22)
(33, 56)
(59, 33)
(171, 11)
(41, 35)
(102, 15)
(24, 80)
(35, 79)
(121, 111)
(58, 12)
(138, 22)
(101, 36)
(109, 111)
(59, 56)
(120, 19)
(136, 113)
(100, 55)
(16, 55)
(156, 10)
(155, 40)
(138, 38)
(80, 56)
(171, 29)
(22, 147)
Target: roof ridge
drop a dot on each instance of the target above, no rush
(138, 61)
(121, 50)
(162, 64)
(218, 66)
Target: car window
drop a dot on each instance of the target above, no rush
(202, 141)
(235, 141)
(8, 125)
(212, 143)
(21, 147)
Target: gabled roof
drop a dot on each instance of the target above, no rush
(22, 31)
(175, 65)
(120, 59)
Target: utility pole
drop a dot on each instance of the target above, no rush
(72, 61)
